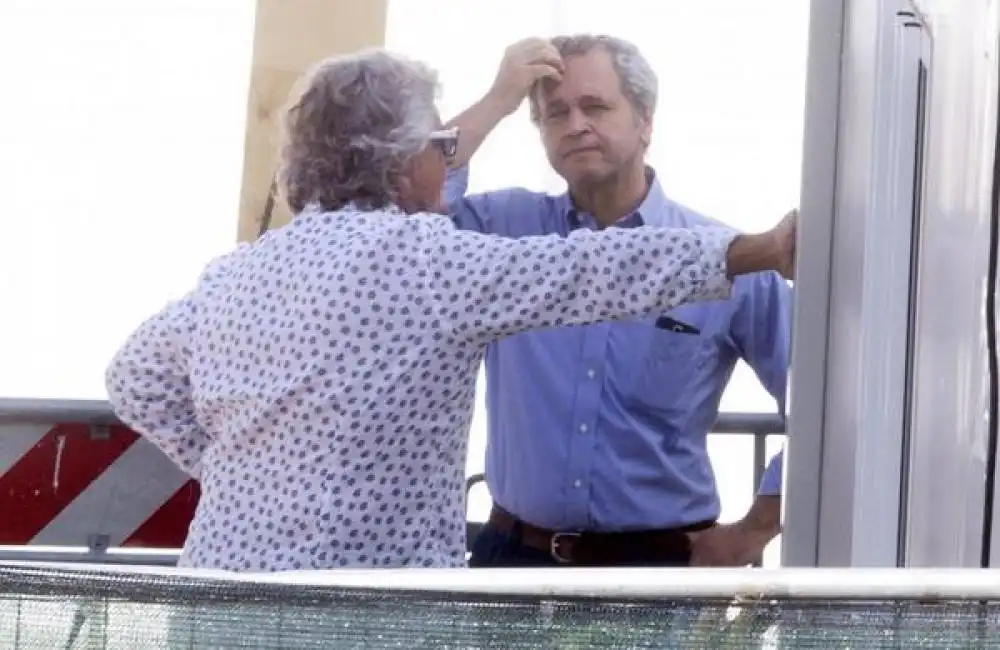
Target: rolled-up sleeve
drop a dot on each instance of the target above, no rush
(149, 389)
(770, 482)
(488, 286)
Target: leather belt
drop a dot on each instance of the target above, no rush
(637, 548)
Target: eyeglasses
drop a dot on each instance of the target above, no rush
(446, 140)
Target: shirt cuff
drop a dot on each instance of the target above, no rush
(771, 483)
(715, 243)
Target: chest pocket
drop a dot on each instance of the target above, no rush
(673, 365)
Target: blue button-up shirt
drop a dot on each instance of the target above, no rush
(604, 427)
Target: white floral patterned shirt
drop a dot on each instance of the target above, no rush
(319, 383)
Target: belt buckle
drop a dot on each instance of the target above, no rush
(554, 546)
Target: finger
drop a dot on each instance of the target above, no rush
(708, 559)
(528, 49)
(544, 71)
(533, 42)
(549, 55)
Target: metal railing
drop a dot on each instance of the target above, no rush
(102, 607)
(864, 584)
(47, 411)
(98, 414)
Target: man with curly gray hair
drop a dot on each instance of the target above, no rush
(319, 383)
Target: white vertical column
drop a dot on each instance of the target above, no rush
(850, 398)
(804, 452)
(951, 420)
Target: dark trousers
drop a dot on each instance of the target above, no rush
(677, 621)
(494, 548)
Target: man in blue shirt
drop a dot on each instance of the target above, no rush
(597, 436)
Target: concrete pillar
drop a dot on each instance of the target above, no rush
(290, 36)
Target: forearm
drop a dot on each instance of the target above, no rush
(149, 389)
(504, 286)
(475, 123)
(175, 432)
(751, 254)
(158, 406)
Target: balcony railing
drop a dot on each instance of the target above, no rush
(98, 415)
(152, 607)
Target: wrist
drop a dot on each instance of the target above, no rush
(500, 103)
(764, 517)
(752, 254)
(766, 530)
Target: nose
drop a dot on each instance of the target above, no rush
(577, 122)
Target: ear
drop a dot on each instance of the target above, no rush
(403, 188)
(646, 127)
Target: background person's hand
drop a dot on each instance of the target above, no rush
(771, 250)
(727, 545)
(784, 235)
(740, 543)
(523, 64)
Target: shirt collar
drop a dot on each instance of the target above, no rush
(651, 212)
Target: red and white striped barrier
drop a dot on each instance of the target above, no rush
(77, 484)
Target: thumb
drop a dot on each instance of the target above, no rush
(698, 558)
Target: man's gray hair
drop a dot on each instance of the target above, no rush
(638, 81)
(348, 136)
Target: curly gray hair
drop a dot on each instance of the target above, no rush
(351, 131)
(638, 81)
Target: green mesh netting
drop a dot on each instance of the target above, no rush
(51, 609)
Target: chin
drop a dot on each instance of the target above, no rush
(586, 176)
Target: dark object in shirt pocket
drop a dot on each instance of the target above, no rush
(676, 326)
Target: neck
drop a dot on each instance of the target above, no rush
(614, 198)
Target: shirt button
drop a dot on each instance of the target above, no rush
(583, 428)
(577, 483)
(591, 373)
